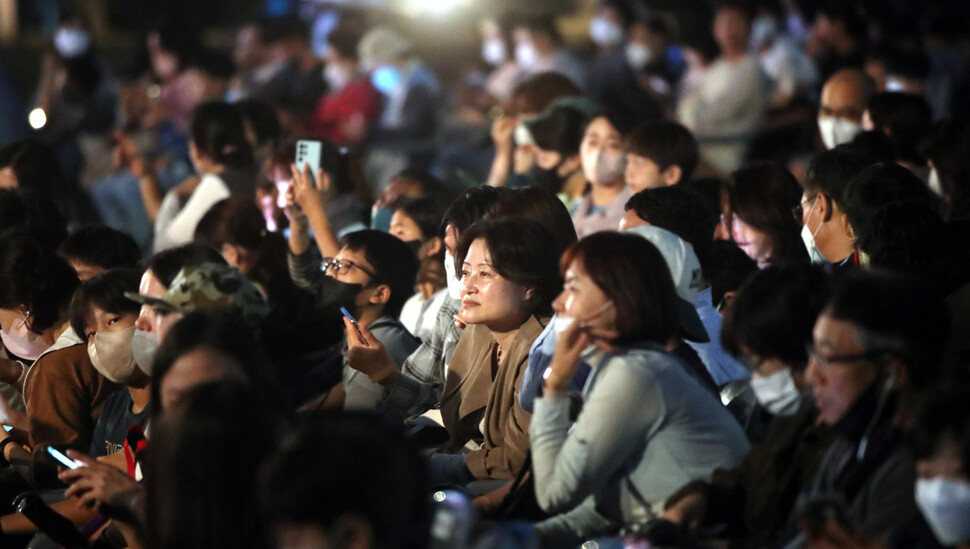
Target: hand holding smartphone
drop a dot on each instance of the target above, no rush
(65, 461)
(350, 317)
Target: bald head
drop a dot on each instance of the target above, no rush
(844, 95)
(844, 98)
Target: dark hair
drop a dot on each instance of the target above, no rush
(344, 41)
(945, 412)
(680, 212)
(219, 133)
(101, 246)
(195, 498)
(762, 195)
(848, 15)
(913, 239)
(538, 205)
(237, 221)
(184, 43)
(879, 186)
(947, 147)
(394, 263)
(896, 314)
(727, 269)
(226, 334)
(908, 62)
(34, 277)
(371, 471)
(24, 212)
(774, 313)
(430, 185)
(906, 118)
(35, 164)
(537, 92)
(471, 206)
(261, 117)
(708, 189)
(107, 292)
(425, 212)
(560, 129)
(830, 171)
(522, 251)
(634, 275)
(666, 144)
(874, 145)
(167, 263)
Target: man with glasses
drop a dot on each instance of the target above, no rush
(825, 227)
(844, 98)
(385, 268)
(876, 345)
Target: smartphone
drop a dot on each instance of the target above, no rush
(59, 456)
(309, 153)
(360, 336)
(7, 428)
(281, 188)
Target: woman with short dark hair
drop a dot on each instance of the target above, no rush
(645, 427)
(509, 276)
(759, 201)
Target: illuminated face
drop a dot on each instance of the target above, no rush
(404, 227)
(486, 296)
(836, 370)
(148, 318)
(581, 299)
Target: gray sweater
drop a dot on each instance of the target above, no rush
(645, 430)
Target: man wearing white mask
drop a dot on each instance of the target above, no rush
(825, 227)
(844, 98)
(603, 162)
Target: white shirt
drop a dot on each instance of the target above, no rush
(175, 225)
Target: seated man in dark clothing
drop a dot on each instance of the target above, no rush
(877, 344)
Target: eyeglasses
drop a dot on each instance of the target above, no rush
(343, 266)
(799, 210)
(826, 361)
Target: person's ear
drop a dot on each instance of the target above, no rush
(431, 247)
(671, 176)
(825, 205)
(381, 295)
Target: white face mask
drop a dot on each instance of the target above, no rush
(945, 505)
(493, 52)
(808, 237)
(71, 42)
(603, 167)
(562, 323)
(934, 182)
(144, 347)
(604, 32)
(111, 354)
(777, 392)
(337, 77)
(526, 55)
(837, 131)
(454, 285)
(20, 341)
(638, 56)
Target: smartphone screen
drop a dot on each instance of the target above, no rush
(281, 188)
(59, 456)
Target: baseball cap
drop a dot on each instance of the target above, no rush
(685, 269)
(209, 286)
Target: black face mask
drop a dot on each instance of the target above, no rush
(333, 294)
(549, 180)
(415, 247)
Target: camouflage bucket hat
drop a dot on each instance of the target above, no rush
(210, 286)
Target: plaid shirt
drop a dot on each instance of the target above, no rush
(419, 388)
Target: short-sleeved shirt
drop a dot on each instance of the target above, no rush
(112, 427)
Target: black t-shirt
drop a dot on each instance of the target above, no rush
(116, 417)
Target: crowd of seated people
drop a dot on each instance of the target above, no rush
(687, 280)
